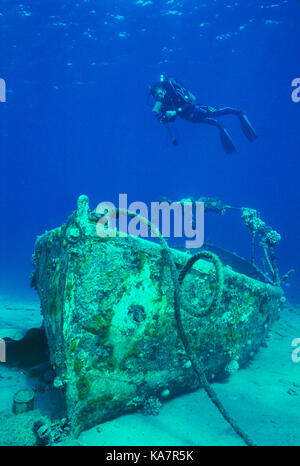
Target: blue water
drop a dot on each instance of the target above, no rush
(76, 119)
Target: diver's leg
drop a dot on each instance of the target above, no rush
(226, 140)
(223, 111)
(200, 114)
(246, 126)
(195, 113)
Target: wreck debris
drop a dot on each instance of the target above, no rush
(108, 307)
(50, 433)
(151, 406)
(23, 401)
(269, 238)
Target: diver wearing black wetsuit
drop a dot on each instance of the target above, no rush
(173, 99)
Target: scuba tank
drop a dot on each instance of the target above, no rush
(176, 90)
(177, 93)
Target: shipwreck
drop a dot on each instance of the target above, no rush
(130, 320)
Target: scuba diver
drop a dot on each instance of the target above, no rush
(173, 99)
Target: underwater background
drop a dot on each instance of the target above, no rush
(76, 120)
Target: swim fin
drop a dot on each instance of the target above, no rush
(226, 141)
(247, 128)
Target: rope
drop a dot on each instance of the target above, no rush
(197, 365)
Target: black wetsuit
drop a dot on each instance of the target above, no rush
(196, 113)
(205, 114)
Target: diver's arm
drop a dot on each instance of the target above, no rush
(157, 108)
(163, 117)
(171, 115)
(157, 112)
(166, 117)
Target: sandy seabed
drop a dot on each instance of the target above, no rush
(264, 397)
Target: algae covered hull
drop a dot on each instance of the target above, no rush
(109, 318)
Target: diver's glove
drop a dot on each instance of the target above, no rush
(164, 118)
(161, 118)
